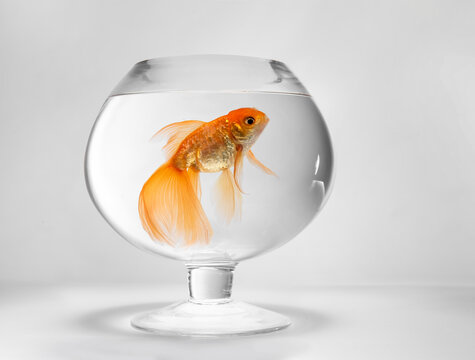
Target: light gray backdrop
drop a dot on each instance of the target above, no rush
(394, 80)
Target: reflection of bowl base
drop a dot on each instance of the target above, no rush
(222, 319)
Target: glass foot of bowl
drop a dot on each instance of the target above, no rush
(210, 320)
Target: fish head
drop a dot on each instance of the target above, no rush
(246, 124)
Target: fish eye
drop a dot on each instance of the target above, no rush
(250, 120)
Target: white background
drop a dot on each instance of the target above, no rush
(394, 80)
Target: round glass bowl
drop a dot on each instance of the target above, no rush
(250, 164)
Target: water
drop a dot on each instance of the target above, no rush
(295, 145)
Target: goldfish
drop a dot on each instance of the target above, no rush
(170, 200)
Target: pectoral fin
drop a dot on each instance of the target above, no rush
(253, 160)
(238, 167)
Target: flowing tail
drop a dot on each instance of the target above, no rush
(169, 206)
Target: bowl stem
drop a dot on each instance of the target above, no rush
(210, 284)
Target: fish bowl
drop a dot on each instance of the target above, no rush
(209, 160)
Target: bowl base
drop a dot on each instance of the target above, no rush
(210, 320)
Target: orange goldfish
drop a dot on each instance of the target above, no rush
(169, 203)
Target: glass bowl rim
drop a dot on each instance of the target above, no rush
(157, 59)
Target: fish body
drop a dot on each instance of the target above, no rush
(169, 203)
(210, 148)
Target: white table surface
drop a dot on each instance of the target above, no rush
(92, 322)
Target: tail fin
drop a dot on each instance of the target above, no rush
(169, 205)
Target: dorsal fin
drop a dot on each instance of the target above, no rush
(175, 133)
